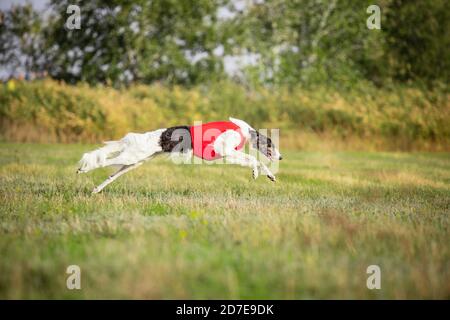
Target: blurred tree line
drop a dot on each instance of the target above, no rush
(187, 42)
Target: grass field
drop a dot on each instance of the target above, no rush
(167, 231)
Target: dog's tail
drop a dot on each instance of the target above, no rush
(97, 158)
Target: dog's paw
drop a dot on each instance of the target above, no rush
(272, 178)
(255, 173)
(96, 190)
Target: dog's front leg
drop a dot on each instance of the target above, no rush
(243, 160)
(267, 172)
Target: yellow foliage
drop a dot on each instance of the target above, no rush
(394, 118)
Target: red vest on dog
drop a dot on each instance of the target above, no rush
(203, 137)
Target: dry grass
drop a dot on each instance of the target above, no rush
(167, 231)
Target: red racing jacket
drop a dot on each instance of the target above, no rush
(204, 135)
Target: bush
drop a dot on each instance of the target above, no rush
(390, 118)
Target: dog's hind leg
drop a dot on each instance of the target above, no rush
(114, 176)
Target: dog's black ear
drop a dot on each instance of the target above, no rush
(254, 136)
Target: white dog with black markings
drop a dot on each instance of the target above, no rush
(209, 141)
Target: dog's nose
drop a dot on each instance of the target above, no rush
(280, 158)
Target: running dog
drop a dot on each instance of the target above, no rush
(209, 141)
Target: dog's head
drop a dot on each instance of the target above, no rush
(264, 145)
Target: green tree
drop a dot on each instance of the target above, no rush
(122, 41)
(21, 41)
(172, 41)
(418, 40)
(307, 41)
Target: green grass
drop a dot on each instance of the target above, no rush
(167, 231)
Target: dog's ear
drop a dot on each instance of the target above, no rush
(254, 137)
(245, 127)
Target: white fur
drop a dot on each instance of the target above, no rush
(135, 148)
(226, 142)
(121, 171)
(245, 127)
(131, 149)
